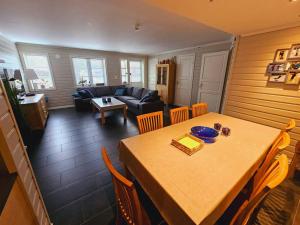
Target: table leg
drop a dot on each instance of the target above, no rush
(102, 117)
(125, 113)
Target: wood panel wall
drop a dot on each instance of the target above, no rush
(250, 96)
(14, 154)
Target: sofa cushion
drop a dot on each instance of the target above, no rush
(85, 94)
(137, 92)
(76, 95)
(103, 91)
(145, 92)
(120, 91)
(114, 88)
(91, 89)
(150, 96)
(133, 103)
(125, 98)
(129, 91)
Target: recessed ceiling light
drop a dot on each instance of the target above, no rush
(293, 0)
(137, 27)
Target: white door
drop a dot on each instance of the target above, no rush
(212, 75)
(184, 79)
(152, 73)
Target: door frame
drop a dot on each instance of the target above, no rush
(192, 78)
(225, 52)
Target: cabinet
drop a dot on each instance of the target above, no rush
(165, 82)
(35, 111)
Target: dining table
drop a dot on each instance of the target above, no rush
(198, 188)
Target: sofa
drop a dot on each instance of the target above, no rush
(138, 100)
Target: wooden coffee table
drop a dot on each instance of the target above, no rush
(103, 107)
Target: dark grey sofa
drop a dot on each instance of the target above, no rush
(132, 97)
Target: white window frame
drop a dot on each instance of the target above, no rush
(30, 87)
(89, 67)
(142, 61)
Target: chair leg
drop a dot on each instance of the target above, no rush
(118, 218)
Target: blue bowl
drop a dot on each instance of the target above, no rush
(207, 134)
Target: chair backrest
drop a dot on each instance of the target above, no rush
(126, 196)
(290, 125)
(179, 115)
(281, 142)
(199, 109)
(150, 121)
(274, 176)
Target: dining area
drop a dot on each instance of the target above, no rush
(216, 161)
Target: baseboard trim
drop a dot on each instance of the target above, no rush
(61, 107)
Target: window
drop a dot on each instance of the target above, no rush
(135, 71)
(89, 71)
(124, 72)
(40, 65)
(132, 71)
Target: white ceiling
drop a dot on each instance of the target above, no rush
(102, 24)
(242, 17)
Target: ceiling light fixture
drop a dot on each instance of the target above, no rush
(137, 27)
(293, 0)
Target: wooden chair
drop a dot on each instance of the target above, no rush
(290, 125)
(281, 142)
(274, 176)
(295, 161)
(150, 121)
(179, 115)
(199, 109)
(128, 205)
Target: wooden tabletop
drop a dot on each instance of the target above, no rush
(196, 189)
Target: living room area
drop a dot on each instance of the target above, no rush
(118, 112)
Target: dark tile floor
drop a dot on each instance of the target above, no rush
(67, 162)
(75, 184)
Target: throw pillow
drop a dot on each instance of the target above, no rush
(120, 91)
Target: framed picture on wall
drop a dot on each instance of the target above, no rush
(294, 67)
(281, 55)
(293, 78)
(280, 78)
(276, 68)
(294, 53)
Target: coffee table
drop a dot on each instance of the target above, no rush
(109, 106)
